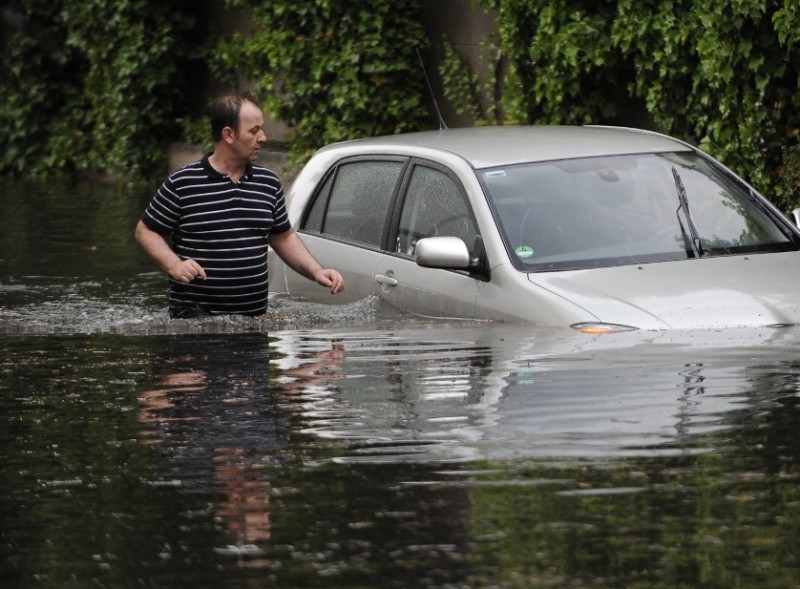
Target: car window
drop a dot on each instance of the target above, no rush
(434, 206)
(354, 201)
(727, 221)
(316, 212)
(608, 211)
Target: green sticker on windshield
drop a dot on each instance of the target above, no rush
(524, 251)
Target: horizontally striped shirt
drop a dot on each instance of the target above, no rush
(224, 227)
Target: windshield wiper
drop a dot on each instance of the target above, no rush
(696, 246)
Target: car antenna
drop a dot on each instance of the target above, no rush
(442, 125)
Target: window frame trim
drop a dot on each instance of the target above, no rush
(320, 191)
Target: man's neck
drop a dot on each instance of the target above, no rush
(226, 167)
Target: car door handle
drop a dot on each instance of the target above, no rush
(385, 280)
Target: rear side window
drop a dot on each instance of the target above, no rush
(354, 202)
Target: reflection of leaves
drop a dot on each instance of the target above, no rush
(754, 233)
(729, 202)
(717, 243)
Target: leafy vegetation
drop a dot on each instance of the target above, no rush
(102, 85)
(332, 70)
(721, 74)
(467, 91)
(92, 85)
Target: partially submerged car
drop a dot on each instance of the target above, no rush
(592, 227)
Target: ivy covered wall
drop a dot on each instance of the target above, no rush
(93, 85)
(103, 85)
(331, 70)
(724, 75)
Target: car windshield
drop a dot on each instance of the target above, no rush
(632, 209)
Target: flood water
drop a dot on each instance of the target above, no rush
(352, 448)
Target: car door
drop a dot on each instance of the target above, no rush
(433, 203)
(345, 222)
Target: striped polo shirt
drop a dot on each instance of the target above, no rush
(224, 227)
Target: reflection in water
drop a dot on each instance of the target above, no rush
(591, 462)
(318, 447)
(213, 413)
(427, 454)
(394, 398)
(244, 508)
(504, 392)
(159, 400)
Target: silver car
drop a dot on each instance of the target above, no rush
(598, 228)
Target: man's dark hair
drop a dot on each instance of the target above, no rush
(225, 112)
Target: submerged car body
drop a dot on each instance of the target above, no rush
(569, 226)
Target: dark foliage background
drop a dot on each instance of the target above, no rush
(92, 86)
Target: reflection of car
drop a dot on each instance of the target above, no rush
(507, 391)
(551, 225)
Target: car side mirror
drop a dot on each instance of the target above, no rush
(449, 253)
(796, 216)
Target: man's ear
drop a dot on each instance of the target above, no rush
(228, 135)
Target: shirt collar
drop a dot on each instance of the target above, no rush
(213, 173)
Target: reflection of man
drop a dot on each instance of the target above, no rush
(222, 214)
(212, 416)
(214, 412)
(156, 403)
(318, 367)
(244, 507)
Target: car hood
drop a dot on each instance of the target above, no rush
(737, 291)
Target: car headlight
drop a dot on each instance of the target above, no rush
(600, 328)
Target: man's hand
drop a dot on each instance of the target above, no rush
(157, 248)
(186, 271)
(330, 278)
(295, 254)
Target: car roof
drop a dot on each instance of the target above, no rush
(485, 147)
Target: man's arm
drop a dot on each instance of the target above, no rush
(294, 252)
(158, 250)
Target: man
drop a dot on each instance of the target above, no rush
(221, 215)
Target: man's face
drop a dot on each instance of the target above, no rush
(250, 136)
